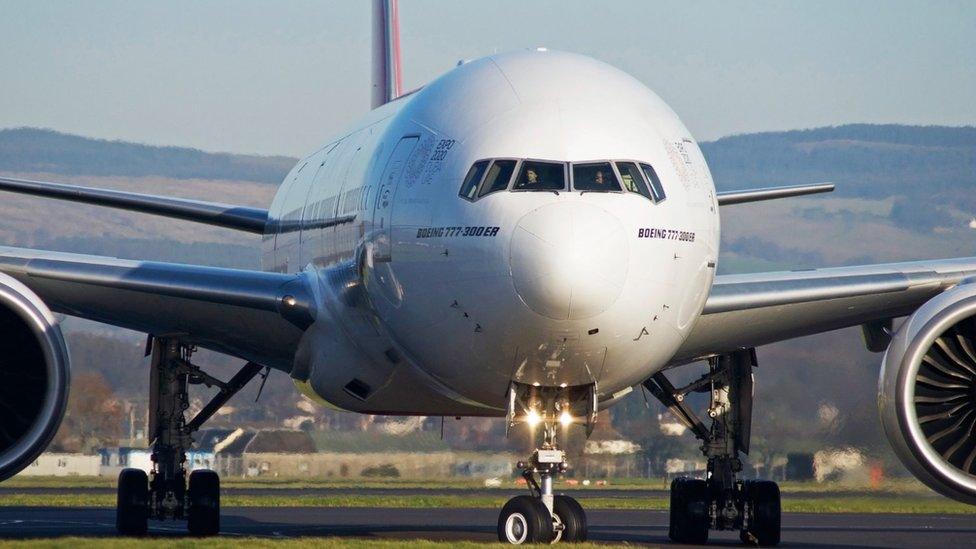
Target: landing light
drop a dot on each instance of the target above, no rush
(565, 418)
(532, 418)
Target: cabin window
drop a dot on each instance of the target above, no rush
(595, 177)
(351, 201)
(657, 190)
(632, 179)
(469, 189)
(321, 211)
(541, 176)
(498, 177)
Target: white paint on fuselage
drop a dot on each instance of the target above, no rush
(566, 293)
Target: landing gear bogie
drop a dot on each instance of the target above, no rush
(166, 493)
(721, 501)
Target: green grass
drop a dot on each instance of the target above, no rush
(895, 486)
(259, 482)
(260, 543)
(890, 503)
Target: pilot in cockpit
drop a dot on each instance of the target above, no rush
(532, 178)
(598, 179)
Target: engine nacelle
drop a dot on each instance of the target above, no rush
(34, 376)
(927, 393)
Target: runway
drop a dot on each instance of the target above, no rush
(635, 527)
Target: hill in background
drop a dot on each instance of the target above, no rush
(48, 151)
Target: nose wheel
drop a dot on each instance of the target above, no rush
(568, 514)
(525, 519)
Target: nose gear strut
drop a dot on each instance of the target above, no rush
(720, 501)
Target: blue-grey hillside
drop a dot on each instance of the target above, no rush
(928, 165)
(48, 151)
(867, 160)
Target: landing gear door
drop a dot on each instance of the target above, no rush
(383, 209)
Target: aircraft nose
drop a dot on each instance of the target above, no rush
(569, 260)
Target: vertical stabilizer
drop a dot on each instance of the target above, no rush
(387, 78)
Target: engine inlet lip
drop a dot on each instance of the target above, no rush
(23, 302)
(919, 445)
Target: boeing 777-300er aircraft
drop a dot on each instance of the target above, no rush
(532, 235)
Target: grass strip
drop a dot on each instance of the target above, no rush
(844, 504)
(891, 486)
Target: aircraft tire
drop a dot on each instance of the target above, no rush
(764, 513)
(132, 505)
(525, 519)
(570, 513)
(689, 521)
(203, 515)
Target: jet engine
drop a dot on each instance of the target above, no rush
(33, 376)
(927, 393)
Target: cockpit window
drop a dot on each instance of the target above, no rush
(498, 177)
(469, 189)
(657, 190)
(490, 176)
(632, 179)
(540, 176)
(595, 177)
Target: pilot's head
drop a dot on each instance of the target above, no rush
(598, 178)
(531, 176)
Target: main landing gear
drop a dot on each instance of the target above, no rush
(165, 493)
(720, 501)
(541, 516)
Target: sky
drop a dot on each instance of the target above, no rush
(281, 77)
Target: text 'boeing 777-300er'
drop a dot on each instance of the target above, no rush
(532, 235)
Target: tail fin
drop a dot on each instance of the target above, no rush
(387, 70)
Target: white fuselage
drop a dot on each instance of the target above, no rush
(434, 304)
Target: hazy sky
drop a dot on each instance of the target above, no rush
(280, 77)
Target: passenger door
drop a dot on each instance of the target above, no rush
(385, 194)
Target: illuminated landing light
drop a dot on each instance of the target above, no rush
(565, 418)
(532, 418)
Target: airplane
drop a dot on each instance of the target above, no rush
(532, 235)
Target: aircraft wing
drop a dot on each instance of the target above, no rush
(239, 218)
(253, 315)
(748, 310)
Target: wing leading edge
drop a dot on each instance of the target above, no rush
(749, 310)
(253, 315)
(239, 218)
(727, 198)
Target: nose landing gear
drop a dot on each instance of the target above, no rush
(720, 501)
(542, 516)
